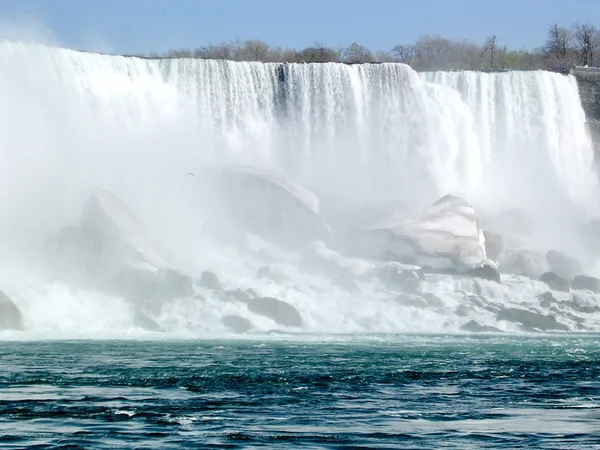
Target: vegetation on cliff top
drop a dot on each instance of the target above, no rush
(564, 47)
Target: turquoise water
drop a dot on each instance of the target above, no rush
(310, 391)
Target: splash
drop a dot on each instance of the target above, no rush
(72, 122)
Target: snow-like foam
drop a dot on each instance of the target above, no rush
(72, 122)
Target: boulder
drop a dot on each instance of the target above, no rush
(531, 320)
(562, 265)
(527, 263)
(237, 324)
(110, 248)
(583, 282)
(209, 280)
(10, 316)
(265, 272)
(279, 311)
(270, 205)
(547, 300)
(555, 282)
(443, 236)
(474, 327)
(486, 272)
(494, 245)
(411, 300)
(402, 276)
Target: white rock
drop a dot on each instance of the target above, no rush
(443, 236)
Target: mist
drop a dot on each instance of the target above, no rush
(157, 132)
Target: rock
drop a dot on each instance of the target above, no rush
(494, 245)
(401, 276)
(531, 320)
(281, 312)
(10, 316)
(433, 301)
(210, 281)
(525, 263)
(555, 282)
(238, 295)
(583, 282)
(237, 324)
(141, 320)
(547, 300)
(442, 236)
(109, 248)
(151, 283)
(475, 327)
(486, 272)
(411, 300)
(562, 265)
(270, 205)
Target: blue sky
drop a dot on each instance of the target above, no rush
(142, 26)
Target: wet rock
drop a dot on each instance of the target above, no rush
(583, 282)
(265, 272)
(281, 312)
(555, 282)
(237, 295)
(151, 283)
(210, 281)
(474, 327)
(271, 205)
(486, 272)
(433, 301)
(441, 236)
(494, 245)
(411, 300)
(562, 265)
(547, 300)
(10, 316)
(406, 278)
(144, 322)
(237, 324)
(531, 319)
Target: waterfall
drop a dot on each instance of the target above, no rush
(354, 134)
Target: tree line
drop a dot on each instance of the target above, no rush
(564, 47)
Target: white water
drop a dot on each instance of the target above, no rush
(71, 121)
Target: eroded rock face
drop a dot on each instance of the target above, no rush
(110, 248)
(583, 282)
(10, 316)
(270, 205)
(443, 236)
(494, 245)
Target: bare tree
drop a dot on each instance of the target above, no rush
(558, 41)
(319, 53)
(403, 53)
(357, 53)
(587, 39)
(490, 48)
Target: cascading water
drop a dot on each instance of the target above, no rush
(354, 134)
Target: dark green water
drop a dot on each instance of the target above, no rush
(315, 392)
